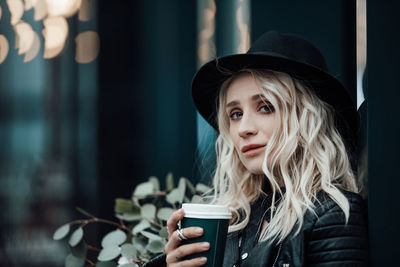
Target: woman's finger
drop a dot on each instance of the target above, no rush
(179, 253)
(173, 221)
(174, 240)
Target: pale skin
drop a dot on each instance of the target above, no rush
(252, 123)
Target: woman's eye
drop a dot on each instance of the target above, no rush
(267, 108)
(235, 115)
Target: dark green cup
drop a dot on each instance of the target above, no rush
(214, 219)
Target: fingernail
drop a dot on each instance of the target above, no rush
(205, 245)
(199, 231)
(203, 259)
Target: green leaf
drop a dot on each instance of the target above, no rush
(163, 232)
(129, 251)
(61, 232)
(175, 196)
(202, 188)
(156, 183)
(182, 186)
(123, 205)
(106, 264)
(190, 186)
(169, 182)
(154, 228)
(144, 224)
(197, 199)
(139, 242)
(164, 213)
(109, 253)
(79, 250)
(113, 239)
(143, 189)
(155, 246)
(131, 216)
(148, 211)
(145, 256)
(72, 261)
(76, 237)
(151, 236)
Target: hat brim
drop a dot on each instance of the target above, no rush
(208, 80)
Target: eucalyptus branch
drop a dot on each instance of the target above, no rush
(84, 212)
(90, 247)
(139, 209)
(99, 220)
(90, 262)
(156, 223)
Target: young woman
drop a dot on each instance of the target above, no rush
(282, 164)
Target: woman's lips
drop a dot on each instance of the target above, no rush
(254, 150)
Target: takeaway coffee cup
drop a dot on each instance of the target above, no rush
(214, 219)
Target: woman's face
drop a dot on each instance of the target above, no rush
(252, 121)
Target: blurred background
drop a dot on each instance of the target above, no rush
(95, 98)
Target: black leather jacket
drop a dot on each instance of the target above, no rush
(324, 240)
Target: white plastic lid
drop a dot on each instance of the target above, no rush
(206, 211)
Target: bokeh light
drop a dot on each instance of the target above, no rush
(4, 48)
(24, 40)
(87, 46)
(16, 8)
(85, 13)
(29, 4)
(55, 34)
(34, 49)
(40, 8)
(65, 8)
(242, 21)
(206, 46)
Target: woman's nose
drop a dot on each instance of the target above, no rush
(247, 127)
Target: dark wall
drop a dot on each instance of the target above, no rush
(330, 25)
(146, 116)
(383, 130)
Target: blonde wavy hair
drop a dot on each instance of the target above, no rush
(305, 153)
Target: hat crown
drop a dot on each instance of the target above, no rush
(290, 46)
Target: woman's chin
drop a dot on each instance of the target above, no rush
(254, 168)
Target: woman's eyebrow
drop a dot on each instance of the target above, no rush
(232, 103)
(258, 97)
(253, 98)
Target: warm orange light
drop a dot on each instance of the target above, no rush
(87, 46)
(242, 23)
(55, 34)
(40, 8)
(206, 46)
(29, 4)
(16, 8)
(85, 11)
(27, 41)
(65, 8)
(24, 33)
(4, 48)
(34, 49)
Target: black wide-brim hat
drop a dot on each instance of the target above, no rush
(287, 53)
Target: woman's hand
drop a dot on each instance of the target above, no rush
(174, 252)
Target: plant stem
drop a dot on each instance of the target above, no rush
(92, 248)
(120, 226)
(95, 219)
(91, 262)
